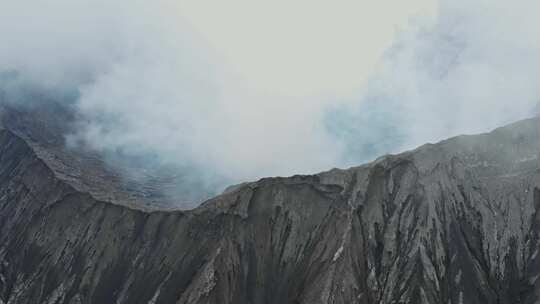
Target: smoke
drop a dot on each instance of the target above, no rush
(217, 96)
(474, 68)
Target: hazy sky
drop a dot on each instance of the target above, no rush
(237, 90)
(305, 46)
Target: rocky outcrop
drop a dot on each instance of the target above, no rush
(453, 222)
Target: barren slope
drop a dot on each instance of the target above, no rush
(453, 222)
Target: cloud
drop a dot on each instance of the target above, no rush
(219, 93)
(474, 68)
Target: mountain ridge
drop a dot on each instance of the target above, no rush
(452, 222)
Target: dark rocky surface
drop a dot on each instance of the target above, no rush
(452, 222)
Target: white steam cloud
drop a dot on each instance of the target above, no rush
(243, 89)
(473, 68)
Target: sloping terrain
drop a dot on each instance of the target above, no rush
(45, 124)
(453, 222)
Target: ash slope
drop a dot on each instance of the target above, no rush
(45, 122)
(453, 222)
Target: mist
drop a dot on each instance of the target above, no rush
(225, 98)
(472, 69)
